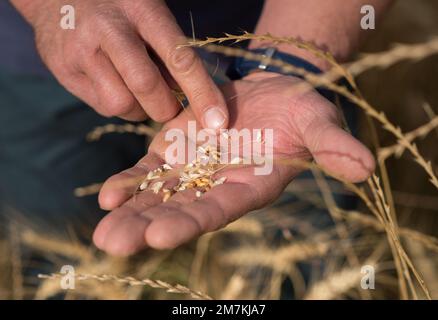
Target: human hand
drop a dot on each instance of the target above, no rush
(305, 126)
(110, 60)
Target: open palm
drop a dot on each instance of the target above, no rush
(305, 126)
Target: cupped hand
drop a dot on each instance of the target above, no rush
(123, 58)
(305, 126)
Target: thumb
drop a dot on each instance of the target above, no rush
(186, 67)
(337, 152)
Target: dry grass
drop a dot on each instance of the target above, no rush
(257, 255)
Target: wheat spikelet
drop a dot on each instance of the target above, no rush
(57, 246)
(277, 259)
(335, 284)
(130, 281)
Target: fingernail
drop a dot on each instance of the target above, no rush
(214, 118)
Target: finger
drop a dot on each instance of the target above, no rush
(113, 95)
(186, 68)
(128, 54)
(122, 186)
(189, 216)
(179, 220)
(146, 221)
(337, 151)
(121, 232)
(80, 85)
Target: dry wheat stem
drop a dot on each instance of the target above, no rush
(340, 227)
(398, 149)
(399, 253)
(388, 126)
(393, 233)
(366, 220)
(246, 226)
(317, 80)
(336, 284)
(88, 190)
(139, 129)
(396, 54)
(53, 245)
(130, 281)
(266, 37)
(427, 241)
(375, 60)
(16, 262)
(200, 255)
(403, 274)
(324, 81)
(278, 259)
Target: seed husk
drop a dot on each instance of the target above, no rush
(196, 174)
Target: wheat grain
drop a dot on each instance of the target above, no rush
(197, 175)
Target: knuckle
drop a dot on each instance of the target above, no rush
(200, 97)
(152, 13)
(101, 20)
(163, 116)
(144, 84)
(119, 105)
(183, 60)
(106, 12)
(76, 56)
(106, 21)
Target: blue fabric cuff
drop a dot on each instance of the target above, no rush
(241, 67)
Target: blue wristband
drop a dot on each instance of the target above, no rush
(241, 67)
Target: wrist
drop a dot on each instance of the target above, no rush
(241, 66)
(320, 63)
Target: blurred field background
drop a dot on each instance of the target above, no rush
(259, 256)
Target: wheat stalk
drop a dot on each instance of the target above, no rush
(278, 259)
(323, 80)
(88, 190)
(140, 129)
(396, 54)
(130, 281)
(427, 241)
(420, 132)
(367, 61)
(335, 284)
